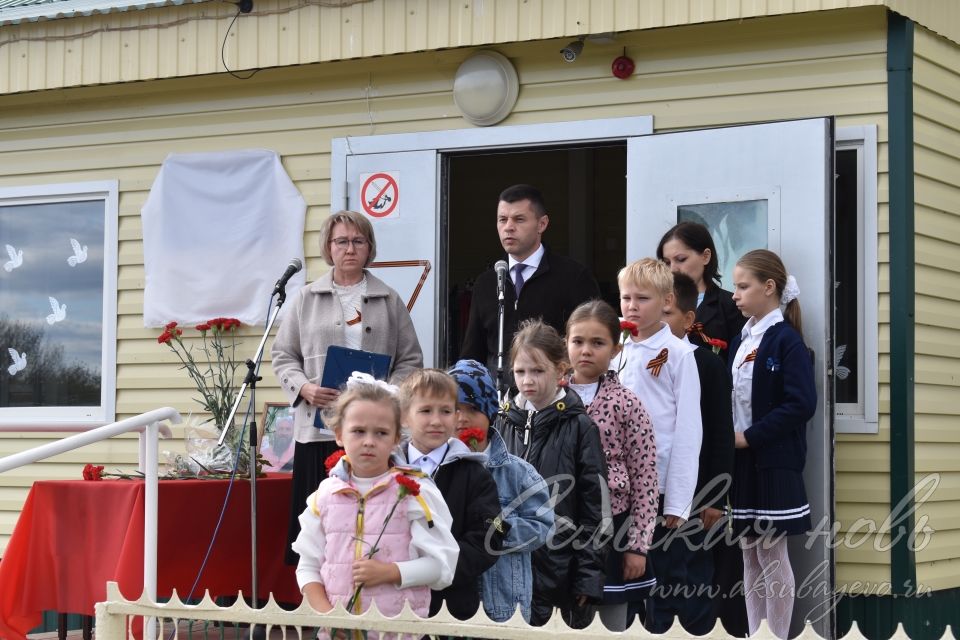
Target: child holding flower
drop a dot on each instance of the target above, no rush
(699, 614)
(524, 496)
(397, 517)
(661, 369)
(428, 398)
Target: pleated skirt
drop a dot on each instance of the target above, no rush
(767, 501)
(616, 590)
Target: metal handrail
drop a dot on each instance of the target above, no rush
(148, 424)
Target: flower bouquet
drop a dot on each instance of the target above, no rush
(213, 370)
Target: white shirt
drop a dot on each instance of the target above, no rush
(587, 392)
(433, 550)
(532, 263)
(525, 405)
(673, 401)
(741, 396)
(427, 462)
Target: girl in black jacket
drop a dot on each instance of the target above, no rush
(546, 424)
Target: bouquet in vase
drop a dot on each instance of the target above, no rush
(210, 362)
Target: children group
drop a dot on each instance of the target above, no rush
(596, 488)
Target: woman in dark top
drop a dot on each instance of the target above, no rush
(688, 248)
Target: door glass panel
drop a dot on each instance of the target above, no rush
(736, 227)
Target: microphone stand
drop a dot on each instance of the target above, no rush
(250, 381)
(501, 392)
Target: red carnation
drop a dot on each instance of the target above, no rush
(333, 459)
(203, 326)
(164, 337)
(627, 328)
(408, 486)
(92, 472)
(473, 438)
(717, 345)
(171, 325)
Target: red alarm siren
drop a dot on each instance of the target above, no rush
(623, 67)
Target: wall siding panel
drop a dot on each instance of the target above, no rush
(125, 46)
(937, 165)
(689, 77)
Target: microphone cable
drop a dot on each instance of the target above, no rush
(230, 482)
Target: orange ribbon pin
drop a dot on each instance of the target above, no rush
(697, 328)
(657, 363)
(750, 358)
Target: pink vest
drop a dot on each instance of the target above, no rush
(351, 523)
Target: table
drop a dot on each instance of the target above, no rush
(75, 535)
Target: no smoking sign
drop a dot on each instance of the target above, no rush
(380, 194)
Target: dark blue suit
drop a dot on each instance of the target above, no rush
(768, 492)
(784, 398)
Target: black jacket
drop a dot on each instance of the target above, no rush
(720, 318)
(716, 452)
(471, 495)
(783, 398)
(556, 288)
(564, 444)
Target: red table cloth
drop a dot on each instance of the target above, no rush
(74, 535)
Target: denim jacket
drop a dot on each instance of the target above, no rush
(525, 501)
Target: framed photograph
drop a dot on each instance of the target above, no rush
(276, 437)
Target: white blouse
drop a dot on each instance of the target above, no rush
(351, 297)
(741, 397)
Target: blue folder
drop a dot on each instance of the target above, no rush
(341, 362)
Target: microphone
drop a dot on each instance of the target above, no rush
(292, 268)
(501, 269)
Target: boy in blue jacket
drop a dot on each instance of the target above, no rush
(524, 496)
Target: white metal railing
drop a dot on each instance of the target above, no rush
(148, 424)
(116, 614)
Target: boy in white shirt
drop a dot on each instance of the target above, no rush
(662, 370)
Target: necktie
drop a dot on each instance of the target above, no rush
(518, 277)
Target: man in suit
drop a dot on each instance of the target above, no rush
(541, 284)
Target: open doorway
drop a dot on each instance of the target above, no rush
(585, 188)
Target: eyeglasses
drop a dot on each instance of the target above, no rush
(343, 243)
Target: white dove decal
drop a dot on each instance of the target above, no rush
(79, 253)
(842, 372)
(19, 361)
(59, 312)
(16, 259)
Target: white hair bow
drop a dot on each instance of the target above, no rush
(791, 291)
(359, 377)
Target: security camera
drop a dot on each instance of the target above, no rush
(572, 50)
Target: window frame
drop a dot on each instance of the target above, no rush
(106, 191)
(863, 417)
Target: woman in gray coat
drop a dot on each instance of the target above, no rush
(348, 307)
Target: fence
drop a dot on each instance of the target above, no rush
(115, 618)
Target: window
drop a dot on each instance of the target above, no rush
(736, 227)
(58, 303)
(855, 357)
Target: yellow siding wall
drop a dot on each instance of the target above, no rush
(695, 76)
(936, 94)
(186, 40)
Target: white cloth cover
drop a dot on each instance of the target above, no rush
(218, 231)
